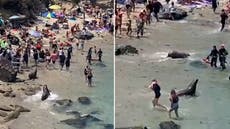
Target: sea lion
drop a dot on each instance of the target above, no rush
(33, 74)
(190, 90)
(46, 93)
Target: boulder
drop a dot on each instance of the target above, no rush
(121, 50)
(177, 14)
(84, 100)
(6, 108)
(169, 125)
(64, 102)
(176, 54)
(7, 72)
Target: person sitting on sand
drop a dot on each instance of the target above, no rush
(174, 99)
(156, 89)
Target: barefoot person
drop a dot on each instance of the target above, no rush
(156, 88)
(223, 17)
(174, 99)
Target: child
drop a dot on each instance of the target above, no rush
(174, 99)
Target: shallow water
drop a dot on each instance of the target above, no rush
(209, 110)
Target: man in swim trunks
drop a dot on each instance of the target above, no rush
(156, 88)
(214, 54)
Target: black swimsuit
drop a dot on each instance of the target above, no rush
(157, 89)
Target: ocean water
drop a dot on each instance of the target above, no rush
(208, 110)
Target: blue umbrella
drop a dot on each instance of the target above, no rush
(35, 33)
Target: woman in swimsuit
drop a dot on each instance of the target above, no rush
(174, 99)
(156, 88)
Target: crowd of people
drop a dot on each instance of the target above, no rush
(54, 42)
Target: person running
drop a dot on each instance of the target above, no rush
(214, 5)
(156, 9)
(222, 56)
(174, 99)
(223, 17)
(156, 88)
(99, 53)
(214, 55)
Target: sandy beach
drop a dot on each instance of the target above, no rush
(196, 34)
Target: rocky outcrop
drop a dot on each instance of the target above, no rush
(176, 54)
(7, 72)
(128, 49)
(84, 100)
(64, 102)
(29, 91)
(7, 92)
(14, 112)
(169, 125)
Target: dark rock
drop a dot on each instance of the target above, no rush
(7, 72)
(45, 93)
(176, 54)
(108, 126)
(64, 102)
(84, 100)
(169, 125)
(126, 50)
(177, 15)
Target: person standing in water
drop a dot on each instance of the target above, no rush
(214, 55)
(223, 17)
(222, 56)
(156, 88)
(89, 78)
(99, 53)
(214, 5)
(174, 99)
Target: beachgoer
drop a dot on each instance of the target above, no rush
(222, 56)
(156, 9)
(156, 88)
(99, 53)
(62, 58)
(67, 63)
(54, 57)
(223, 17)
(129, 27)
(174, 99)
(86, 70)
(89, 78)
(35, 55)
(214, 55)
(89, 55)
(128, 5)
(167, 1)
(140, 27)
(47, 54)
(214, 5)
(26, 58)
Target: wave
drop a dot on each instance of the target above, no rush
(158, 56)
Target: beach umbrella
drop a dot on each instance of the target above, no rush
(35, 33)
(55, 7)
(49, 15)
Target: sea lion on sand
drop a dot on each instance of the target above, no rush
(33, 74)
